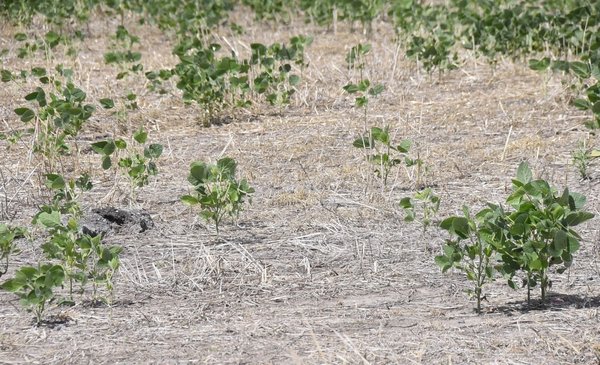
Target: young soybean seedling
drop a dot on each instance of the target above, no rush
(424, 202)
(381, 152)
(7, 244)
(540, 233)
(471, 248)
(362, 88)
(122, 54)
(139, 162)
(582, 159)
(105, 261)
(217, 191)
(34, 286)
(60, 114)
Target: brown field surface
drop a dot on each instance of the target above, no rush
(321, 268)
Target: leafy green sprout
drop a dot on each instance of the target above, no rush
(587, 82)
(126, 104)
(381, 152)
(541, 230)
(66, 193)
(105, 262)
(216, 83)
(362, 88)
(138, 162)
(423, 206)
(471, 248)
(35, 285)
(30, 46)
(217, 191)
(582, 160)
(533, 236)
(64, 244)
(7, 244)
(63, 241)
(59, 116)
(82, 257)
(122, 54)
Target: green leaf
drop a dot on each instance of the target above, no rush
(228, 166)
(20, 37)
(199, 172)
(98, 147)
(524, 174)
(539, 65)
(38, 71)
(26, 273)
(363, 142)
(404, 146)
(105, 148)
(6, 76)
(443, 262)
(582, 70)
(84, 182)
(12, 285)
(294, 80)
(26, 114)
(49, 220)
(351, 88)
(380, 135)
(106, 162)
(120, 144)
(52, 38)
(457, 225)
(376, 90)
(55, 181)
(406, 203)
(363, 85)
(153, 151)
(189, 200)
(140, 136)
(596, 72)
(152, 168)
(576, 218)
(361, 101)
(31, 96)
(559, 244)
(107, 103)
(582, 104)
(573, 245)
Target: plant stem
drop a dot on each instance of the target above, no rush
(544, 285)
(528, 289)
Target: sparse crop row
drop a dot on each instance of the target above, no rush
(524, 240)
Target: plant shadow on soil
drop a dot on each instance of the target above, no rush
(55, 321)
(554, 302)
